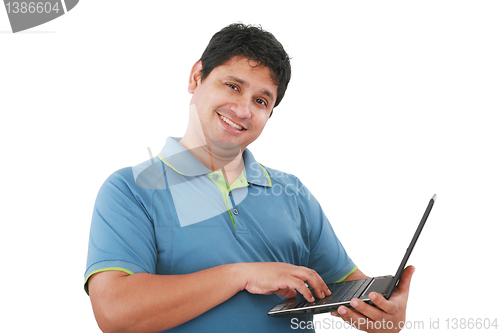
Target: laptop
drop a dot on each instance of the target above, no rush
(343, 292)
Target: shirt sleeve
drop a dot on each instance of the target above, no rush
(122, 234)
(327, 256)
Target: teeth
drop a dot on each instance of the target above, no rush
(230, 123)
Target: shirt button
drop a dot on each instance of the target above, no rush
(235, 211)
(215, 177)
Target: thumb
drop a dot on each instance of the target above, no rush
(404, 282)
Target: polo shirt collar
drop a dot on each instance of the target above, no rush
(181, 160)
(254, 172)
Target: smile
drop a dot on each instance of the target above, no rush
(230, 123)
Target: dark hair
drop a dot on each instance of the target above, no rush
(253, 43)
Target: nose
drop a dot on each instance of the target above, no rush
(241, 107)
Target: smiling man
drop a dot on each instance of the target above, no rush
(229, 110)
(203, 238)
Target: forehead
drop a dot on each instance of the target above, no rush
(243, 68)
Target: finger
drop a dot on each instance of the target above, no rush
(302, 288)
(383, 304)
(367, 310)
(323, 285)
(315, 282)
(352, 317)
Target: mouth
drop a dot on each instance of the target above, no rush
(231, 123)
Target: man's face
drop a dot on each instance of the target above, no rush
(233, 102)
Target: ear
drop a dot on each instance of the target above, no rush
(195, 77)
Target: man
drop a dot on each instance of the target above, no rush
(199, 239)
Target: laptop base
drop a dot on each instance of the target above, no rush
(342, 293)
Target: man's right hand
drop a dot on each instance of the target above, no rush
(283, 279)
(152, 303)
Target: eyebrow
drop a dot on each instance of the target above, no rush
(245, 84)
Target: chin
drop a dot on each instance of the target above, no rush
(227, 146)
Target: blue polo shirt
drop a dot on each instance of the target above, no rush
(171, 215)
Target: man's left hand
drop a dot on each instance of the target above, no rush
(388, 316)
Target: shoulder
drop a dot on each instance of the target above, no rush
(137, 181)
(291, 185)
(287, 182)
(143, 175)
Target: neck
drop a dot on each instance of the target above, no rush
(217, 156)
(224, 156)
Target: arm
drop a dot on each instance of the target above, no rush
(150, 303)
(356, 275)
(392, 310)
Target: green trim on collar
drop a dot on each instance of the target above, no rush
(186, 164)
(267, 175)
(170, 165)
(218, 179)
(241, 181)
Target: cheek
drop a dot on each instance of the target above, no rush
(206, 94)
(260, 122)
(218, 99)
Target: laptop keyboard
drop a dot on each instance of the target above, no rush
(341, 292)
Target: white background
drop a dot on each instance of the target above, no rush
(389, 103)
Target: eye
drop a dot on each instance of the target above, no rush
(232, 86)
(261, 102)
